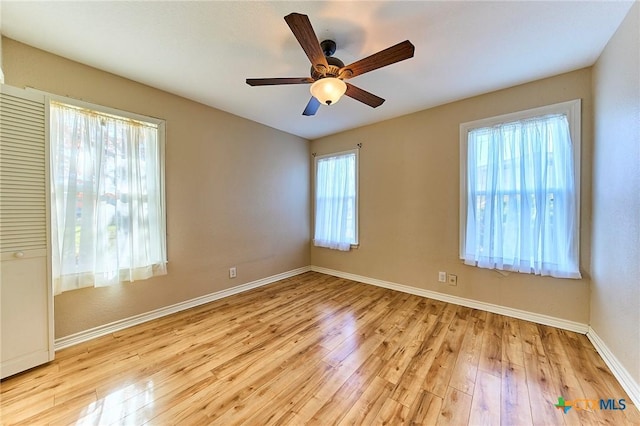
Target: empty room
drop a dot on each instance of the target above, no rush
(320, 212)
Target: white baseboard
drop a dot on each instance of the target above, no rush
(490, 307)
(622, 374)
(83, 336)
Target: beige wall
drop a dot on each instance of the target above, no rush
(1, 69)
(615, 291)
(237, 192)
(409, 197)
(238, 195)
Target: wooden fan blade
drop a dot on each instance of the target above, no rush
(302, 29)
(391, 55)
(274, 81)
(363, 96)
(312, 107)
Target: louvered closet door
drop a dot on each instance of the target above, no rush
(26, 296)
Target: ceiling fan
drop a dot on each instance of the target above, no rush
(328, 73)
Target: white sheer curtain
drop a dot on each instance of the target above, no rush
(107, 202)
(336, 204)
(521, 205)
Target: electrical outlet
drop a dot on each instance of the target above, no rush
(453, 279)
(442, 277)
(232, 272)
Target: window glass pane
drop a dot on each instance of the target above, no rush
(521, 197)
(336, 201)
(108, 219)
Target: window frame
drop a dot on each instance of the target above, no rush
(316, 158)
(118, 113)
(572, 110)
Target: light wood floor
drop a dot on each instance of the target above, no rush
(316, 349)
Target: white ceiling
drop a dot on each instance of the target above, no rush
(205, 50)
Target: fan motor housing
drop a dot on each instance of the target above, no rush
(335, 64)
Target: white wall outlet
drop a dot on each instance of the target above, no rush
(232, 272)
(442, 277)
(453, 279)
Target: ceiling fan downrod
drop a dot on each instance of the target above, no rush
(328, 47)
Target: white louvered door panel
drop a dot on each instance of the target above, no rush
(26, 306)
(22, 174)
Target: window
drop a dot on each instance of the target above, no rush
(336, 200)
(107, 178)
(520, 191)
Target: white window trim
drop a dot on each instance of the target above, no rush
(572, 109)
(160, 123)
(356, 244)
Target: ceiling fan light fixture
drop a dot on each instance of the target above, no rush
(328, 90)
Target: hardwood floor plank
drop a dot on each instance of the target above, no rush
(438, 376)
(404, 351)
(85, 382)
(366, 409)
(511, 342)
(485, 404)
(354, 364)
(362, 327)
(237, 386)
(544, 390)
(35, 382)
(570, 387)
(173, 404)
(315, 349)
(392, 413)
(448, 313)
(595, 380)
(66, 412)
(456, 407)
(251, 401)
(515, 408)
(143, 398)
(20, 409)
(465, 369)
(401, 327)
(336, 407)
(411, 381)
(425, 409)
(491, 350)
(293, 393)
